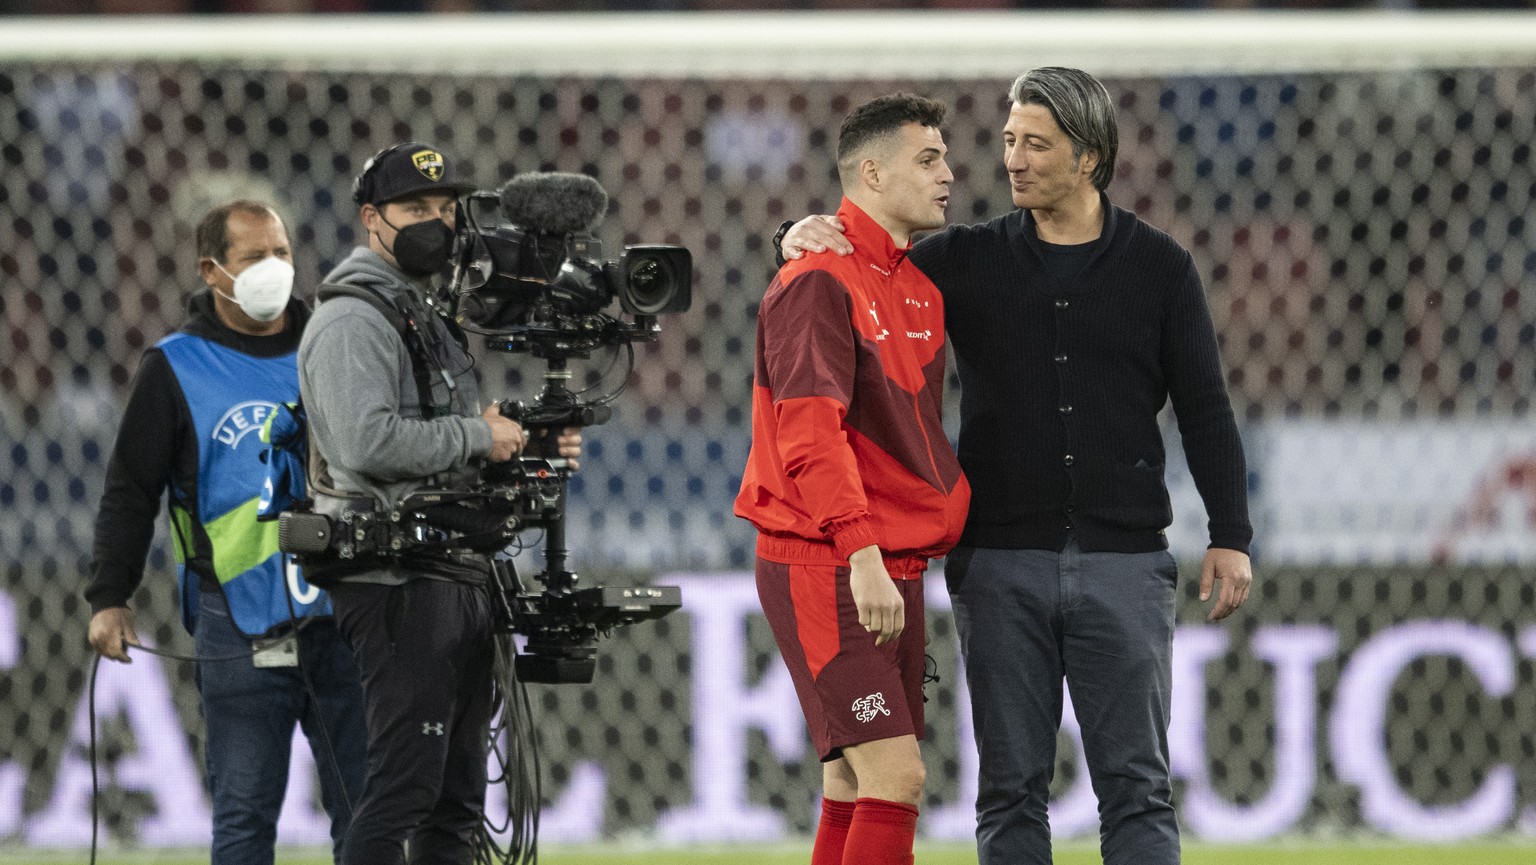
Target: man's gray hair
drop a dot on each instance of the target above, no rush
(1081, 107)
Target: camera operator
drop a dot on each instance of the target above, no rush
(381, 427)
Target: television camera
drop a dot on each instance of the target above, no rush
(529, 275)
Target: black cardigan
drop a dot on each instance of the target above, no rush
(1061, 384)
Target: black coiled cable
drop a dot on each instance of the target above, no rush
(514, 745)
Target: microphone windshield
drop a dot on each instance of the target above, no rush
(554, 202)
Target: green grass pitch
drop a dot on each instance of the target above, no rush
(1518, 852)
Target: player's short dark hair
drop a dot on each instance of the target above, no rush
(213, 229)
(1081, 106)
(881, 118)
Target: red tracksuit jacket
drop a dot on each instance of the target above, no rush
(848, 448)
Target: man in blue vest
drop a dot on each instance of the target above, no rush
(192, 427)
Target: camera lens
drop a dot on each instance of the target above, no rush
(657, 279)
(648, 283)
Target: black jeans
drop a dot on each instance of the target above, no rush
(1103, 623)
(426, 653)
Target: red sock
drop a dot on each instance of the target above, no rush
(881, 833)
(832, 833)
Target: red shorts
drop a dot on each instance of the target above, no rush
(850, 690)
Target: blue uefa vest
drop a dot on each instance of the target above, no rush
(230, 394)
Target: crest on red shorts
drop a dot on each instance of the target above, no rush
(866, 708)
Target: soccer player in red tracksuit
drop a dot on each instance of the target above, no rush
(851, 481)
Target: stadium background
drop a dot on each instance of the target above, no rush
(1356, 191)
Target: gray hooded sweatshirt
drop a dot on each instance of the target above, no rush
(358, 387)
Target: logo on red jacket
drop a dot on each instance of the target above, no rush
(876, 316)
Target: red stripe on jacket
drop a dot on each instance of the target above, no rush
(848, 445)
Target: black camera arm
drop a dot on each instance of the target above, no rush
(555, 409)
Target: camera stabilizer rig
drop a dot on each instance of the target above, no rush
(561, 623)
(532, 280)
(535, 281)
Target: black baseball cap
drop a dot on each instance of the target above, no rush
(406, 169)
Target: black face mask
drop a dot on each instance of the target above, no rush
(422, 248)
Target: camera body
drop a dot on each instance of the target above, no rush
(537, 278)
(514, 279)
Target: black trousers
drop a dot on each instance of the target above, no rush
(426, 654)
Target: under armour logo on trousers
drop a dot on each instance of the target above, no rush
(431, 729)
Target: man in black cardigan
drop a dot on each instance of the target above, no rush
(1073, 324)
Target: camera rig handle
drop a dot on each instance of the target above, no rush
(562, 623)
(556, 408)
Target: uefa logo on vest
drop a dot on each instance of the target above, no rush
(241, 420)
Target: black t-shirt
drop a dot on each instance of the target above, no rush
(1067, 260)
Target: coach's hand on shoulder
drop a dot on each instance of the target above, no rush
(112, 632)
(1235, 573)
(507, 436)
(815, 234)
(881, 610)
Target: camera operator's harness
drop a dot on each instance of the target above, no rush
(425, 522)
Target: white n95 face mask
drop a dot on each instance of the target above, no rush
(262, 290)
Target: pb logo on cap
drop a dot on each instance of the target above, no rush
(429, 163)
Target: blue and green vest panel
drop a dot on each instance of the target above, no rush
(230, 395)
